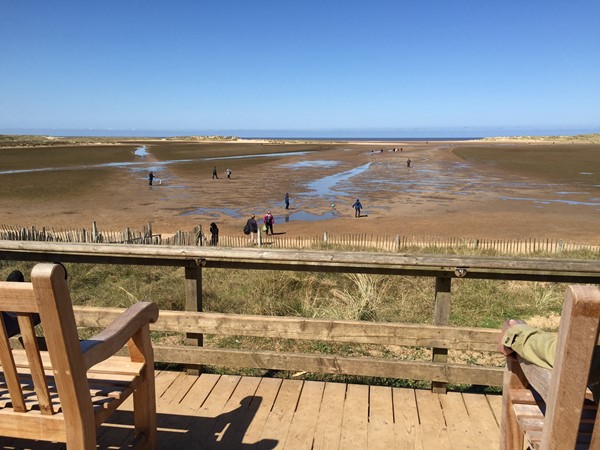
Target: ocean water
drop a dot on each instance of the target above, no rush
(405, 134)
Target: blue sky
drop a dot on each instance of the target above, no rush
(310, 65)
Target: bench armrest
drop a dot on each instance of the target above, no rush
(110, 340)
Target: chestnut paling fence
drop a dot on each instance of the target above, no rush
(200, 237)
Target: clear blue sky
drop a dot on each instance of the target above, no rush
(302, 65)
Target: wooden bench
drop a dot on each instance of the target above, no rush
(553, 409)
(64, 393)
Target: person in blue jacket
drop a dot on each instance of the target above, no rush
(357, 207)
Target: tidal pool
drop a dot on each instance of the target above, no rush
(310, 164)
(304, 216)
(324, 187)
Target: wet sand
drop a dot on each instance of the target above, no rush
(451, 189)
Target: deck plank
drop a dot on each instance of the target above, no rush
(407, 430)
(169, 401)
(280, 419)
(433, 425)
(261, 405)
(231, 418)
(495, 402)
(457, 420)
(355, 423)
(329, 426)
(212, 407)
(182, 417)
(381, 418)
(302, 429)
(483, 418)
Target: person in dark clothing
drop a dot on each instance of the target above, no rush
(357, 207)
(287, 200)
(214, 234)
(214, 173)
(268, 221)
(253, 226)
(150, 178)
(11, 322)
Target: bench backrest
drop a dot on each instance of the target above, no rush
(48, 295)
(577, 339)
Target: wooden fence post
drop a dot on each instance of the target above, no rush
(193, 302)
(441, 317)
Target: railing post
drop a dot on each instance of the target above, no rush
(441, 317)
(193, 302)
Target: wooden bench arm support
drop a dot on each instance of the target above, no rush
(114, 337)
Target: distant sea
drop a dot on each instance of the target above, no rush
(407, 134)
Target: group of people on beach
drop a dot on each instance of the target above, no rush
(251, 227)
(216, 176)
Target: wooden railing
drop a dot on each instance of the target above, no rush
(329, 331)
(440, 337)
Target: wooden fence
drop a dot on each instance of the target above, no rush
(194, 322)
(364, 241)
(319, 330)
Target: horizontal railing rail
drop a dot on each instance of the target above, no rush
(330, 331)
(453, 266)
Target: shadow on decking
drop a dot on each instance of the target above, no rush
(225, 431)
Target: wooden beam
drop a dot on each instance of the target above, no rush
(316, 363)
(441, 317)
(193, 303)
(411, 335)
(560, 270)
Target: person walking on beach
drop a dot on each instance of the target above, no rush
(357, 207)
(287, 200)
(214, 234)
(252, 228)
(269, 220)
(408, 162)
(228, 173)
(150, 178)
(214, 173)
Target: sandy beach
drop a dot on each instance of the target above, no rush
(451, 189)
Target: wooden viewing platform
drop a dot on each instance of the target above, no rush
(228, 412)
(232, 412)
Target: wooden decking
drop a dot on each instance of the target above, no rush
(233, 412)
